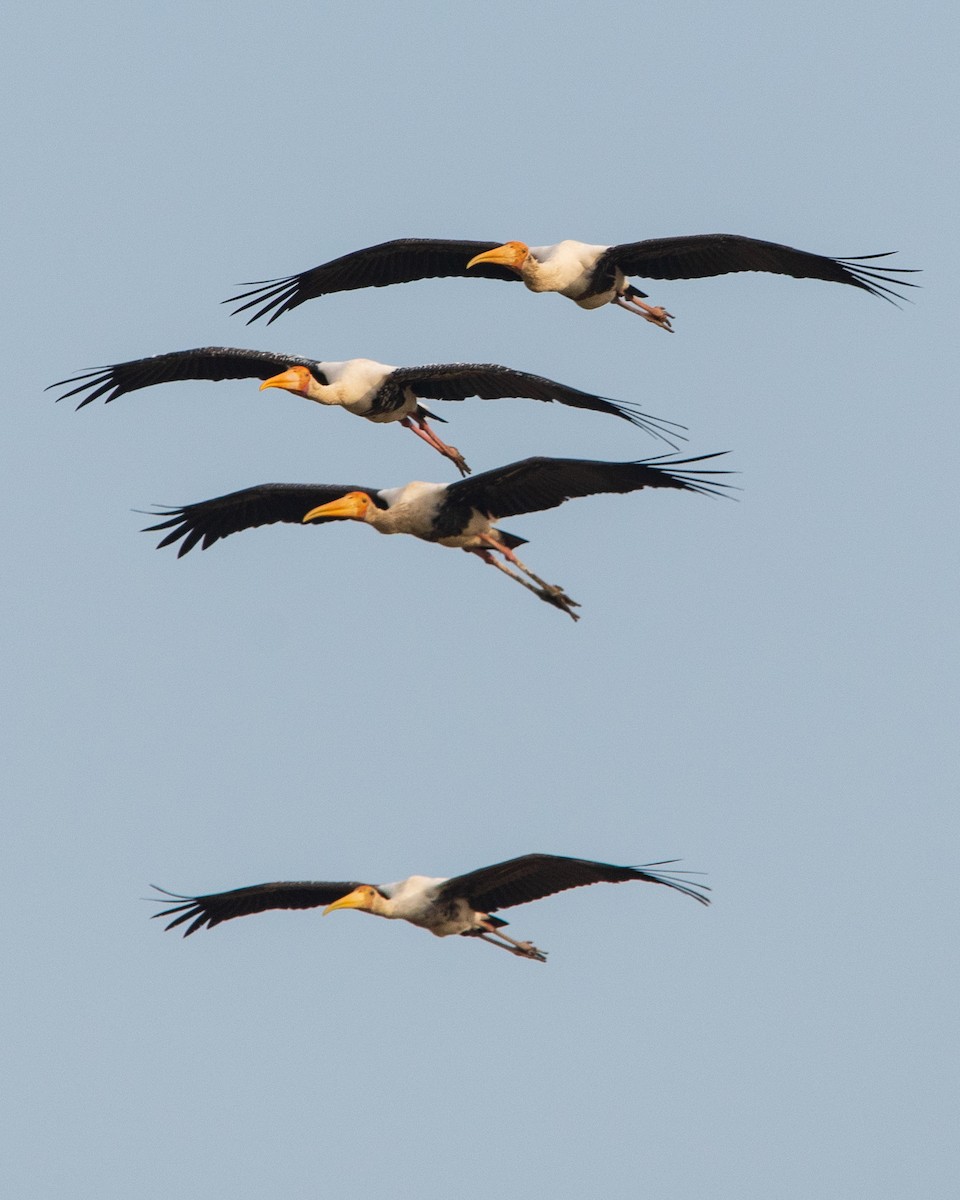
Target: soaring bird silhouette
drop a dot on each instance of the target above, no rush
(462, 905)
(589, 275)
(461, 514)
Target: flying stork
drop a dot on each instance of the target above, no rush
(461, 515)
(590, 275)
(369, 389)
(463, 905)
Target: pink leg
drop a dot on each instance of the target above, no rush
(655, 315)
(511, 945)
(420, 427)
(509, 555)
(548, 592)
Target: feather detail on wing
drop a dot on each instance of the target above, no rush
(535, 484)
(533, 876)
(399, 261)
(208, 521)
(205, 362)
(207, 911)
(709, 254)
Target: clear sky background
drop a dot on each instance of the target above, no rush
(766, 688)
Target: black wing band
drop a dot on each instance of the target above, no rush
(535, 484)
(711, 254)
(533, 876)
(207, 911)
(490, 381)
(399, 261)
(208, 521)
(206, 362)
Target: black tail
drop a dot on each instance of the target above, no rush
(496, 922)
(510, 540)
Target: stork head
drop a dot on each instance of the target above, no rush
(354, 506)
(365, 897)
(510, 254)
(298, 380)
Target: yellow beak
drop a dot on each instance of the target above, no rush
(511, 254)
(350, 506)
(296, 379)
(356, 899)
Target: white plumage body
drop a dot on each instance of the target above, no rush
(567, 268)
(413, 508)
(415, 900)
(354, 385)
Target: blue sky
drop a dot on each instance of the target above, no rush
(766, 688)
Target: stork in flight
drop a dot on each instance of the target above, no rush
(461, 515)
(463, 905)
(590, 275)
(375, 391)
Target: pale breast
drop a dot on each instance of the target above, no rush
(416, 900)
(566, 268)
(411, 509)
(354, 384)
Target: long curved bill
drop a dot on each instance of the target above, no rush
(352, 506)
(295, 379)
(510, 254)
(356, 899)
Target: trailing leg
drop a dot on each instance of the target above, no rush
(520, 949)
(551, 595)
(654, 314)
(551, 592)
(419, 426)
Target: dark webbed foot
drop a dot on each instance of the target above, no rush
(496, 937)
(529, 950)
(543, 590)
(559, 599)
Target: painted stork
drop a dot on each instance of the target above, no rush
(369, 389)
(461, 514)
(463, 905)
(589, 275)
